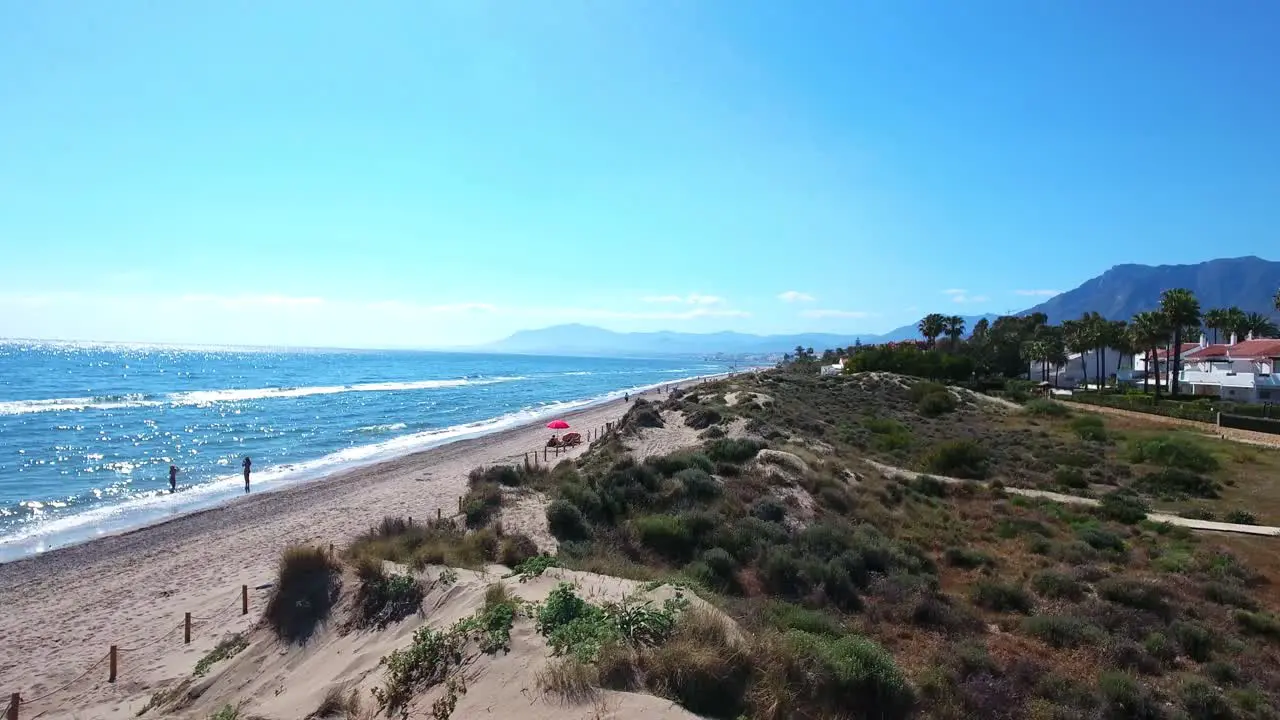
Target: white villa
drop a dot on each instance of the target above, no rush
(1238, 371)
(1073, 374)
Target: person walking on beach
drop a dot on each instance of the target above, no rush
(246, 464)
(626, 397)
(173, 478)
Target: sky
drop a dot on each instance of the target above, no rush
(421, 173)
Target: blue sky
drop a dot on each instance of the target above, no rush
(437, 173)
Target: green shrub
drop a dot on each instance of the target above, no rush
(936, 403)
(732, 450)
(1241, 517)
(507, 475)
(1227, 594)
(565, 521)
(669, 465)
(1173, 451)
(714, 432)
(929, 486)
(641, 415)
(515, 549)
(888, 434)
(721, 567)
(702, 418)
(667, 535)
(1173, 483)
(1135, 594)
(1044, 407)
(1195, 640)
(1202, 701)
(848, 674)
(967, 558)
(920, 390)
(1089, 427)
(1122, 506)
(789, 616)
(1071, 477)
(697, 485)
(769, 510)
(481, 503)
(958, 458)
(1100, 539)
(1123, 698)
(226, 648)
(1258, 623)
(1001, 597)
(1057, 585)
(383, 598)
(1061, 631)
(306, 588)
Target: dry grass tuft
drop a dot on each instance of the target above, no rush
(306, 589)
(569, 679)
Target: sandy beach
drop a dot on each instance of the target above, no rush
(65, 608)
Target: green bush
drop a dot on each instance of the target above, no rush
(516, 548)
(966, 558)
(1195, 640)
(958, 458)
(306, 588)
(1203, 701)
(667, 535)
(481, 503)
(1001, 597)
(1258, 623)
(920, 390)
(1227, 594)
(1090, 427)
(697, 485)
(1057, 585)
(1061, 631)
(385, 598)
(1241, 517)
(733, 450)
(1173, 483)
(702, 418)
(669, 465)
(929, 486)
(1071, 477)
(1122, 506)
(1100, 539)
(566, 522)
(789, 616)
(936, 403)
(849, 674)
(1046, 408)
(1123, 698)
(1173, 451)
(1136, 594)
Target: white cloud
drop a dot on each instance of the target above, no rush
(836, 314)
(962, 296)
(597, 313)
(1037, 293)
(690, 299)
(792, 296)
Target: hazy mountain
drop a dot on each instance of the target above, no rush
(1122, 291)
(588, 340)
(911, 332)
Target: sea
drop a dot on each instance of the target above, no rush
(88, 431)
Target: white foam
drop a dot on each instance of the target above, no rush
(209, 397)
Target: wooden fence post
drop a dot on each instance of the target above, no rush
(459, 504)
(438, 513)
(111, 665)
(544, 453)
(186, 630)
(14, 699)
(244, 599)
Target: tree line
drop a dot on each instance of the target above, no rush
(1006, 347)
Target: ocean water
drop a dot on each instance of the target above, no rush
(87, 432)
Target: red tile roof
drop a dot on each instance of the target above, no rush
(1186, 348)
(1246, 350)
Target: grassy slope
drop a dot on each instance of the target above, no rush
(875, 598)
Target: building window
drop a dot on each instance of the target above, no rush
(1264, 394)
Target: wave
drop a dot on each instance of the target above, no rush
(389, 427)
(209, 397)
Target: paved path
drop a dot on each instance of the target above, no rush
(891, 471)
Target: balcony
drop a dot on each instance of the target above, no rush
(1224, 379)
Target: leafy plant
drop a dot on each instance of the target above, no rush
(226, 648)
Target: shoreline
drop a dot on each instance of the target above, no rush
(203, 498)
(71, 603)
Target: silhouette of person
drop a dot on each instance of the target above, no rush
(173, 478)
(246, 464)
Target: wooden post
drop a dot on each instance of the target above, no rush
(111, 665)
(14, 699)
(544, 453)
(186, 630)
(410, 521)
(459, 504)
(244, 599)
(330, 549)
(438, 513)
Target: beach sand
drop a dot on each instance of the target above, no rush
(65, 608)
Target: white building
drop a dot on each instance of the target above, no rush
(833, 369)
(1239, 371)
(1074, 373)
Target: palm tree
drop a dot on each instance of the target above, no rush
(1119, 336)
(954, 329)
(1033, 351)
(1149, 331)
(1234, 322)
(1180, 308)
(1215, 320)
(1076, 339)
(1277, 299)
(1095, 332)
(931, 326)
(1259, 325)
(980, 329)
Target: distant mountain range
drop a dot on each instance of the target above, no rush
(1248, 282)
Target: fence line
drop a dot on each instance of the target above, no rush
(17, 701)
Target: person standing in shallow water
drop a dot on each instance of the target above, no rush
(173, 478)
(246, 464)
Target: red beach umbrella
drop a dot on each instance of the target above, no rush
(558, 425)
